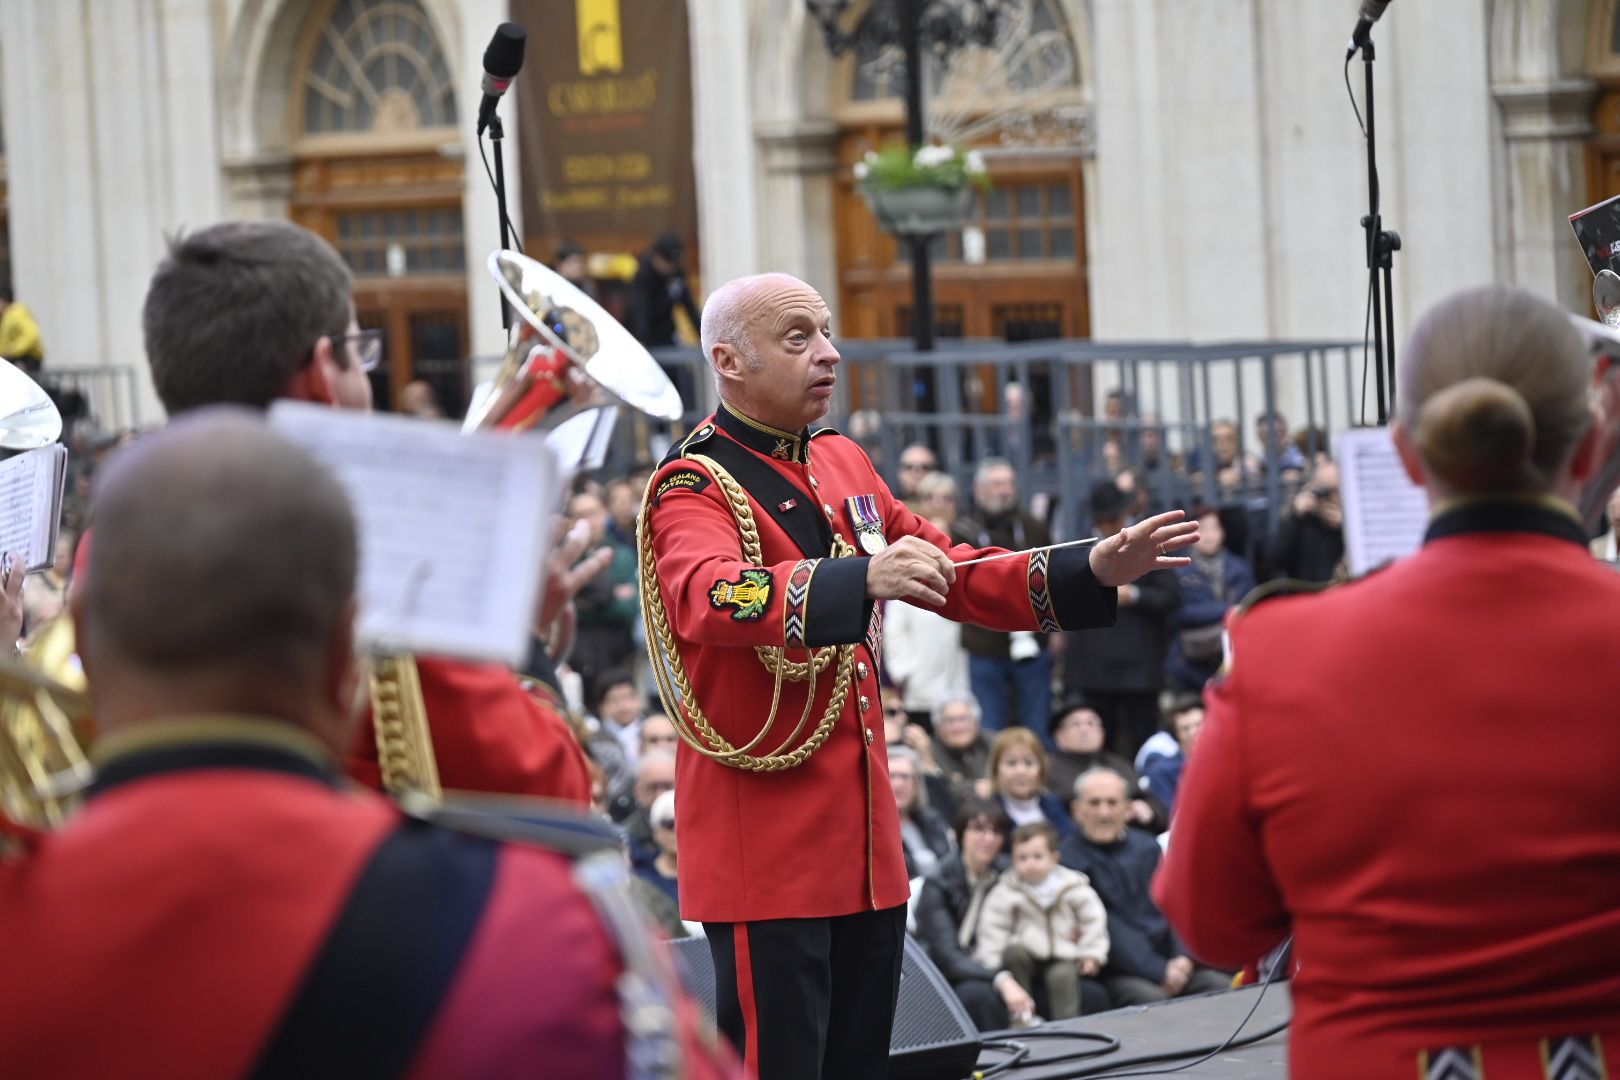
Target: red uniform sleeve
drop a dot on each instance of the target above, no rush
(489, 735)
(1044, 590)
(1214, 884)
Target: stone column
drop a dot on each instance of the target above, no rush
(798, 159)
(1545, 127)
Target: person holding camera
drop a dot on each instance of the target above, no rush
(1310, 539)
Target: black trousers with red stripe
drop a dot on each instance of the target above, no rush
(810, 999)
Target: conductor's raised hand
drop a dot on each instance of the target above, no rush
(910, 569)
(1150, 544)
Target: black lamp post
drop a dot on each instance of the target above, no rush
(941, 26)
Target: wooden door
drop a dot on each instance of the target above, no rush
(396, 219)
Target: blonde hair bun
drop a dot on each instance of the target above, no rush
(1477, 435)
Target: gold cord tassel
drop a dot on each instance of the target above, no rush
(669, 670)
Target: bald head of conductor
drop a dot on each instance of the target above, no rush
(221, 582)
(1495, 399)
(769, 341)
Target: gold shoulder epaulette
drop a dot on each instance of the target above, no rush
(694, 440)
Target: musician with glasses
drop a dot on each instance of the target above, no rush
(225, 904)
(247, 312)
(1415, 774)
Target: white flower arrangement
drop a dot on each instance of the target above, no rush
(931, 165)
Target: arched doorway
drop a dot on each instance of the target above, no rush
(377, 170)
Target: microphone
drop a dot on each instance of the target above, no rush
(502, 61)
(1371, 11)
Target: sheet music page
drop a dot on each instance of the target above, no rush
(31, 503)
(451, 527)
(1385, 514)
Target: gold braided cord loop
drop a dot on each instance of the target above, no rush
(399, 718)
(674, 684)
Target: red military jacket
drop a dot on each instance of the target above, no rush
(1416, 775)
(165, 929)
(821, 839)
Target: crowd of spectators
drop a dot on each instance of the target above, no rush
(1035, 775)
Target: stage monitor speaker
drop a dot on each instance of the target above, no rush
(933, 1037)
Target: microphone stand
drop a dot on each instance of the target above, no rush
(1382, 245)
(496, 133)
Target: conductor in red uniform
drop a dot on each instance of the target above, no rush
(1415, 773)
(225, 904)
(245, 312)
(766, 533)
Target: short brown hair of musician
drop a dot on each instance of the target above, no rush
(234, 311)
(218, 546)
(1493, 390)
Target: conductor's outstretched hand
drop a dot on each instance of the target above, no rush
(1150, 544)
(910, 569)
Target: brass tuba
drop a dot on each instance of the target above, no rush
(568, 366)
(44, 710)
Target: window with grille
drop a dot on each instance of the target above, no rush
(1029, 221)
(1021, 223)
(377, 67)
(402, 243)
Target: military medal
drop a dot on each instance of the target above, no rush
(867, 522)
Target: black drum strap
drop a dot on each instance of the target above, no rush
(381, 975)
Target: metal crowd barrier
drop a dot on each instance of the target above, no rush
(104, 396)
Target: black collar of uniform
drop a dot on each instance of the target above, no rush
(1549, 517)
(762, 438)
(210, 743)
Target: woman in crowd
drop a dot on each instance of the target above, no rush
(925, 836)
(660, 872)
(961, 747)
(1018, 778)
(1455, 907)
(948, 916)
(1216, 582)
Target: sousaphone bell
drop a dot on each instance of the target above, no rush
(568, 366)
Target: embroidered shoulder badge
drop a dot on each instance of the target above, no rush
(749, 597)
(682, 479)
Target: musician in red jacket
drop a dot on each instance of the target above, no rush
(765, 548)
(225, 904)
(1415, 774)
(247, 312)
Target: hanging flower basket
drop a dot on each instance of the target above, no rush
(919, 211)
(918, 193)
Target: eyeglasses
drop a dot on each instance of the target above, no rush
(665, 823)
(368, 347)
(894, 710)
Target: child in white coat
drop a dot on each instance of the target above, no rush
(1043, 923)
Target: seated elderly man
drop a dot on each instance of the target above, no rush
(225, 904)
(1146, 961)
